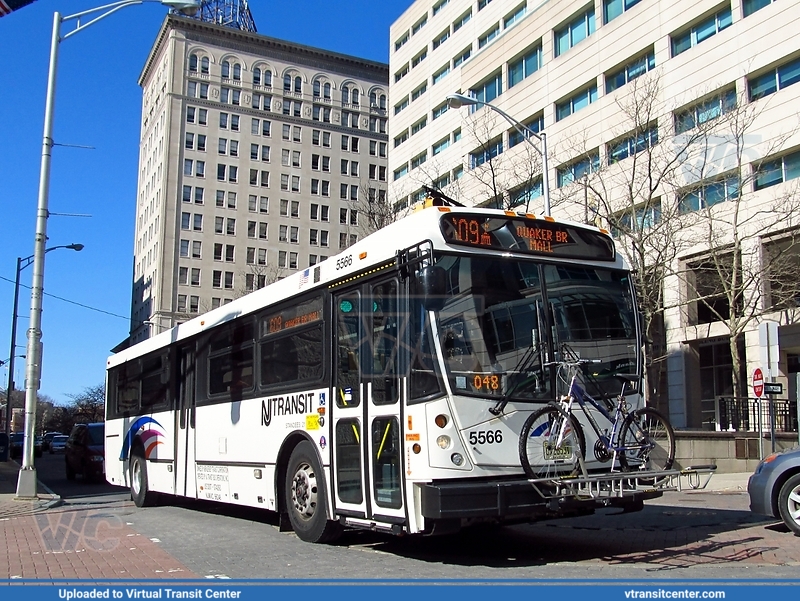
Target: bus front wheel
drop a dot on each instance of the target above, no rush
(306, 499)
(140, 493)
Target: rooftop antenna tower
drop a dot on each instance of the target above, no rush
(228, 13)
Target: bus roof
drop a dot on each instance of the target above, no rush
(373, 250)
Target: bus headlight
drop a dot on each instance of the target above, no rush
(443, 442)
(441, 420)
(457, 459)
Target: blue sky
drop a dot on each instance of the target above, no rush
(98, 104)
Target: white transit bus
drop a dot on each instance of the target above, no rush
(383, 388)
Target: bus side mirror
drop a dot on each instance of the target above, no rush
(431, 285)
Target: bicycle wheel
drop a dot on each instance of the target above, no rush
(540, 453)
(648, 441)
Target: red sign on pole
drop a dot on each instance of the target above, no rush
(758, 382)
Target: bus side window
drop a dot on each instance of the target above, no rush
(385, 344)
(348, 349)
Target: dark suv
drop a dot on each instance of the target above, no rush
(84, 451)
(16, 441)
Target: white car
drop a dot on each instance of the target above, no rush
(58, 443)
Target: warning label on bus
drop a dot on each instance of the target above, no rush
(212, 482)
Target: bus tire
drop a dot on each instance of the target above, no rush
(306, 499)
(140, 493)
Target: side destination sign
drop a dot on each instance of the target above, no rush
(525, 235)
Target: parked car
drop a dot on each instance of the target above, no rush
(774, 488)
(16, 444)
(58, 443)
(84, 451)
(48, 436)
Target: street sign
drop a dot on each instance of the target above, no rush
(758, 382)
(773, 388)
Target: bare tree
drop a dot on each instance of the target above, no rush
(749, 263)
(632, 190)
(254, 277)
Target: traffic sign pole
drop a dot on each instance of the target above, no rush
(758, 390)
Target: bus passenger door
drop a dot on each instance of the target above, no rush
(185, 474)
(347, 412)
(366, 413)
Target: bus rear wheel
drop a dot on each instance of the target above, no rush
(306, 499)
(140, 493)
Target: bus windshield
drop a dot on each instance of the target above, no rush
(505, 318)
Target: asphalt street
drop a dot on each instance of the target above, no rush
(691, 534)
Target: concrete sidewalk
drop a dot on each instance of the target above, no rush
(10, 505)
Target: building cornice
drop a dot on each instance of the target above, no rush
(269, 47)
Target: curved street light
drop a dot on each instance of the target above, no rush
(456, 101)
(21, 264)
(26, 485)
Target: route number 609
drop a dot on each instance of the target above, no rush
(485, 437)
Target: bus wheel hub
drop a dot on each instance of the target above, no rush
(304, 491)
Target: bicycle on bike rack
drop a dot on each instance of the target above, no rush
(552, 443)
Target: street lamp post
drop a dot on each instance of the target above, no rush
(21, 264)
(26, 485)
(458, 100)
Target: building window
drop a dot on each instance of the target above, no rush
(400, 172)
(441, 38)
(197, 247)
(440, 146)
(681, 42)
(438, 112)
(575, 31)
(524, 66)
(515, 16)
(705, 111)
(619, 77)
(576, 102)
(637, 219)
(441, 74)
(751, 6)
(707, 194)
(535, 124)
(462, 20)
(614, 8)
(462, 58)
(400, 42)
(419, 91)
(486, 153)
(401, 105)
(566, 174)
(776, 171)
(632, 144)
(419, 125)
(438, 6)
(774, 80)
(489, 89)
(489, 35)
(525, 194)
(401, 138)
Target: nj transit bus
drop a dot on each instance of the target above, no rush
(358, 393)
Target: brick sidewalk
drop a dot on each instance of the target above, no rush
(44, 540)
(83, 542)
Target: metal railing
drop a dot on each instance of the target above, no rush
(743, 414)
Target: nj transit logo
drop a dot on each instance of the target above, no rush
(150, 437)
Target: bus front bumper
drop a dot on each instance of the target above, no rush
(507, 499)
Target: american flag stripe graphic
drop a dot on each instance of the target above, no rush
(9, 6)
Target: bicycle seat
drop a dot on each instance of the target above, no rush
(628, 378)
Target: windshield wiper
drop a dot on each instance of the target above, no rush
(523, 364)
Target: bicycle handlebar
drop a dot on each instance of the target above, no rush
(571, 363)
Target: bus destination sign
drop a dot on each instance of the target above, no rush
(293, 317)
(526, 235)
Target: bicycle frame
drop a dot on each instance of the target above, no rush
(577, 394)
